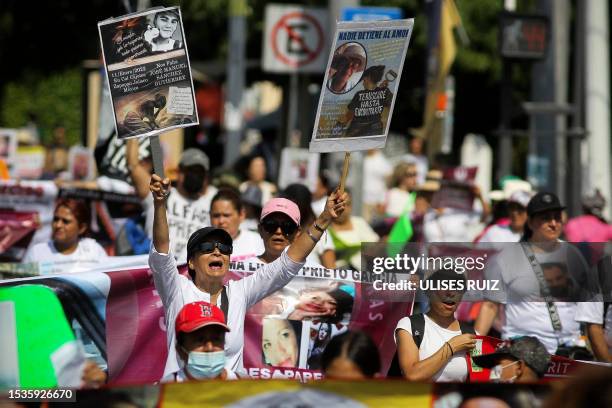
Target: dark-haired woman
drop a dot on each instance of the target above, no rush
(208, 256)
(351, 356)
(68, 249)
(227, 212)
(440, 354)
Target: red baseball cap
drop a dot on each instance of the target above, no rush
(195, 315)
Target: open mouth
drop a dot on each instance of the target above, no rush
(449, 303)
(215, 265)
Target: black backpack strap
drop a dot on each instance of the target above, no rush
(466, 328)
(417, 323)
(224, 302)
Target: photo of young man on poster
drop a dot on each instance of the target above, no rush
(162, 33)
(368, 111)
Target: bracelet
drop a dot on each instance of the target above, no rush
(318, 227)
(315, 240)
(451, 349)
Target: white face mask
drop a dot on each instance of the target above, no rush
(496, 372)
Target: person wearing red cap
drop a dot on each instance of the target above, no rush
(200, 341)
(208, 256)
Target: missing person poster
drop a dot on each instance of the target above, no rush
(360, 85)
(298, 166)
(148, 72)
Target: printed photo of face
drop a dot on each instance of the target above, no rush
(167, 24)
(279, 343)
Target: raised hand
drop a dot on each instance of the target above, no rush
(159, 188)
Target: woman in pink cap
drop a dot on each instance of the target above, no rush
(208, 257)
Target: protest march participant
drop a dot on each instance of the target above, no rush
(400, 198)
(208, 255)
(188, 204)
(348, 232)
(517, 211)
(597, 317)
(351, 355)
(591, 226)
(159, 36)
(520, 360)
(68, 248)
(319, 196)
(553, 323)
(324, 252)
(432, 346)
(200, 342)
(256, 176)
(227, 212)
(278, 227)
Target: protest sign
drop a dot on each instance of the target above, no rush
(456, 189)
(148, 72)
(360, 85)
(298, 166)
(8, 145)
(29, 162)
(81, 163)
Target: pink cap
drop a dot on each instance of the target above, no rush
(281, 205)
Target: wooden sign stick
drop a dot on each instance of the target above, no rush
(158, 157)
(345, 169)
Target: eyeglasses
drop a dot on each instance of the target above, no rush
(209, 248)
(288, 228)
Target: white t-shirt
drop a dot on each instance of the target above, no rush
(433, 339)
(519, 283)
(247, 245)
(593, 312)
(376, 169)
(185, 216)
(500, 233)
(88, 255)
(176, 290)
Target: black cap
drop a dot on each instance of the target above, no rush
(542, 202)
(205, 234)
(528, 349)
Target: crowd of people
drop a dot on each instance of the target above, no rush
(190, 220)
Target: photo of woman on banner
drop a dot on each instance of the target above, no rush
(279, 342)
(369, 109)
(346, 67)
(162, 34)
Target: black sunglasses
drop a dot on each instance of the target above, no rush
(288, 228)
(209, 248)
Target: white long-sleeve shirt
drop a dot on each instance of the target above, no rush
(176, 290)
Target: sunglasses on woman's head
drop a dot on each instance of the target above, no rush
(209, 248)
(271, 226)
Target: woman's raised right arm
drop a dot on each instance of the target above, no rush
(161, 236)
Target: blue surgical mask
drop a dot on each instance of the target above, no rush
(202, 365)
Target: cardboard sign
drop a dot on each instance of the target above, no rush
(298, 166)
(148, 71)
(360, 85)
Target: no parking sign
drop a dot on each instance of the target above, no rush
(295, 39)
